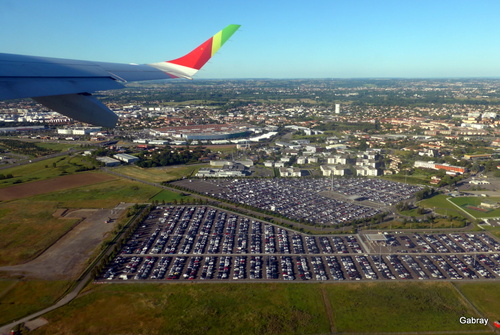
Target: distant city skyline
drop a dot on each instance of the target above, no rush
(278, 39)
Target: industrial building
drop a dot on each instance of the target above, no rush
(447, 167)
(228, 169)
(21, 128)
(108, 161)
(479, 156)
(78, 131)
(126, 158)
(203, 132)
(220, 163)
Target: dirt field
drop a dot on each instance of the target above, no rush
(67, 257)
(51, 185)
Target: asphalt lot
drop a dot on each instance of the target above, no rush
(314, 200)
(202, 243)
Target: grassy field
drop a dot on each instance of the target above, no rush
(103, 195)
(495, 230)
(438, 223)
(170, 196)
(476, 201)
(49, 168)
(158, 175)
(27, 226)
(485, 296)
(441, 206)
(193, 309)
(402, 307)
(57, 146)
(411, 212)
(20, 298)
(284, 308)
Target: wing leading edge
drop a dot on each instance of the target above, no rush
(66, 85)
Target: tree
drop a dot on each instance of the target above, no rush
(427, 192)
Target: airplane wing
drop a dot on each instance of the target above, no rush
(66, 86)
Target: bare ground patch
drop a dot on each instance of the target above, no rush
(66, 258)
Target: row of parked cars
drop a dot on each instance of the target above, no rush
(205, 230)
(304, 267)
(303, 199)
(442, 243)
(377, 190)
(204, 243)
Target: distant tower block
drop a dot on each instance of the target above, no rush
(337, 108)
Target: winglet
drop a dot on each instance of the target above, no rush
(186, 66)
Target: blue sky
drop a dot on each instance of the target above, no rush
(278, 39)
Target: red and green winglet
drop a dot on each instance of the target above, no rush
(186, 66)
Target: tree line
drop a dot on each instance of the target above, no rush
(171, 156)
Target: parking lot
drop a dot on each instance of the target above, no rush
(307, 198)
(201, 243)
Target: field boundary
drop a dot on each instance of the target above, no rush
(328, 310)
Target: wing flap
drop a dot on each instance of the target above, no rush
(81, 107)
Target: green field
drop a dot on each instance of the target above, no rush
(440, 205)
(57, 146)
(223, 148)
(193, 309)
(401, 307)
(462, 202)
(437, 223)
(411, 212)
(158, 175)
(102, 195)
(28, 226)
(484, 296)
(20, 298)
(170, 196)
(266, 308)
(48, 168)
(413, 179)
